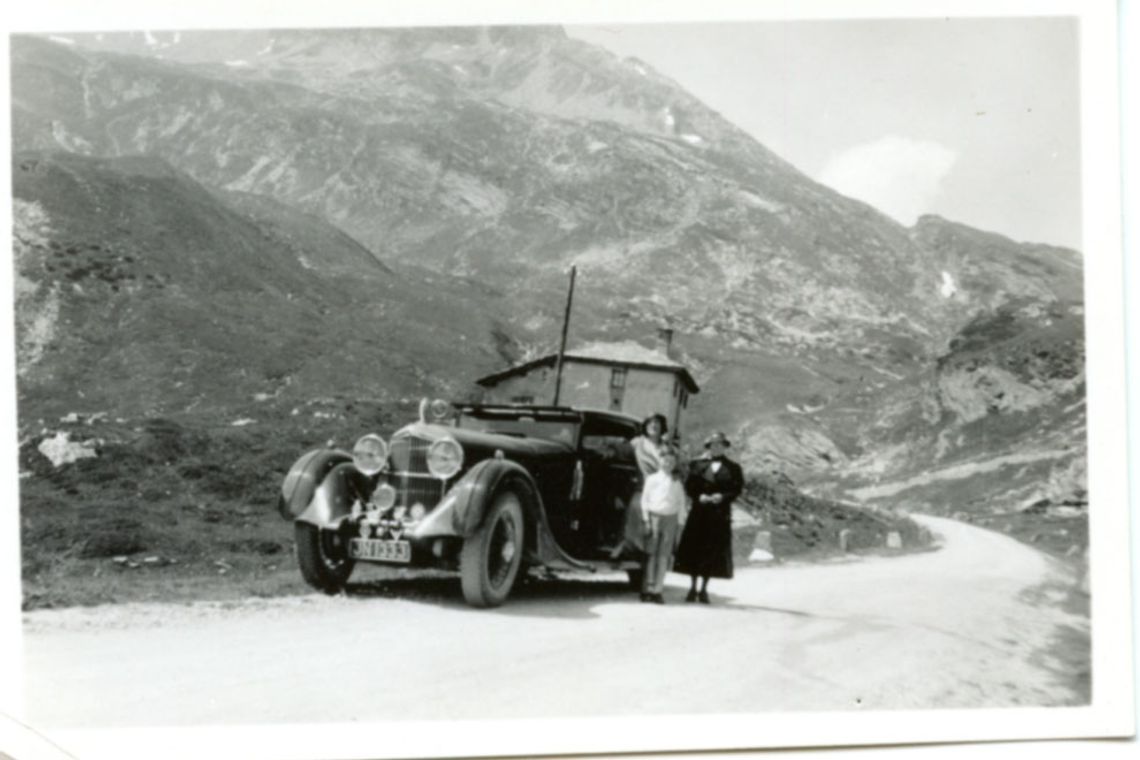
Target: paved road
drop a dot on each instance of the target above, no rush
(976, 623)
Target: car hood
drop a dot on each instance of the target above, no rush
(477, 445)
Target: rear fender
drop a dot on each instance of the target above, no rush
(304, 476)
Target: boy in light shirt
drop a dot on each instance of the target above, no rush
(662, 501)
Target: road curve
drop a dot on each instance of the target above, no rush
(977, 622)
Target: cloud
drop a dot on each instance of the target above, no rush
(898, 175)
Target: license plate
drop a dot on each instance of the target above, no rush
(380, 550)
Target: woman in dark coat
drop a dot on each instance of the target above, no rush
(705, 550)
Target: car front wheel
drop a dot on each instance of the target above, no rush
(323, 557)
(490, 558)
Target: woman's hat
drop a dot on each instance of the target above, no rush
(717, 437)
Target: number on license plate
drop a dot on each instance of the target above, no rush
(380, 550)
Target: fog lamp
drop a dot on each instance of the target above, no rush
(384, 496)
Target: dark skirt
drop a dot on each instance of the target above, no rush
(706, 543)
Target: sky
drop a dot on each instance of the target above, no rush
(976, 120)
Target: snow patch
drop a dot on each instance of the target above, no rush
(595, 145)
(948, 287)
(61, 450)
(68, 141)
(177, 123)
(237, 63)
(61, 40)
(692, 139)
(803, 409)
(150, 39)
(245, 182)
(758, 201)
(242, 422)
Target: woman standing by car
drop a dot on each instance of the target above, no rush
(705, 550)
(647, 451)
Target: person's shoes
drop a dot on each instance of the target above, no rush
(646, 597)
(703, 597)
(691, 596)
(657, 599)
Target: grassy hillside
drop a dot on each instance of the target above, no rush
(142, 293)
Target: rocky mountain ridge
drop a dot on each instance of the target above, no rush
(408, 156)
(816, 324)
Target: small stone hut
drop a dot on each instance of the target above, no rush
(622, 377)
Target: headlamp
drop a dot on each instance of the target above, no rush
(444, 458)
(370, 454)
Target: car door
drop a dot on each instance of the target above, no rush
(610, 479)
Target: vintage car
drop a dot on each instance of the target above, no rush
(490, 491)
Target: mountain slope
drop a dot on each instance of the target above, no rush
(490, 152)
(142, 292)
(821, 331)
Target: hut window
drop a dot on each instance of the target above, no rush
(617, 377)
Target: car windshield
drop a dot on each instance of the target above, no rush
(558, 429)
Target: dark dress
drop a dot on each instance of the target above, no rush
(706, 542)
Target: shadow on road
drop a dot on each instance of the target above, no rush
(533, 597)
(567, 598)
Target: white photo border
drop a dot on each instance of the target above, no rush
(1112, 709)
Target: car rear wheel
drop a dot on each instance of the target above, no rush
(490, 558)
(323, 557)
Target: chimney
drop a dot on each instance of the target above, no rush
(665, 341)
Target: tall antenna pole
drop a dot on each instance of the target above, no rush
(562, 345)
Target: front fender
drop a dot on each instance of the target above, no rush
(463, 509)
(334, 497)
(465, 505)
(304, 476)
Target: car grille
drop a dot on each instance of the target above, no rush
(408, 472)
